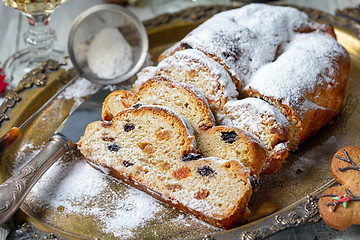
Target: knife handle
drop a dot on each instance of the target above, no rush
(9, 138)
(14, 190)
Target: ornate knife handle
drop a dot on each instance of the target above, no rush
(14, 190)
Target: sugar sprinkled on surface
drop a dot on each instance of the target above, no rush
(78, 90)
(256, 116)
(184, 59)
(22, 156)
(109, 54)
(75, 185)
(140, 207)
(310, 53)
(252, 112)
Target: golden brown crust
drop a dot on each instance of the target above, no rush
(265, 122)
(274, 160)
(208, 76)
(116, 102)
(345, 168)
(232, 219)
(327, 97)
(180, 97)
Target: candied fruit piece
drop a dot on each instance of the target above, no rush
(163, 135)
(173, 187)
(106, 124)
(202, 194)
(181, 173)
(108, 139)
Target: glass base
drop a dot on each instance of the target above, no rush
(22, 62)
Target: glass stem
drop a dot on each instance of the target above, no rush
(39, 37)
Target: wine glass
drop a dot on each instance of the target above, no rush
(39, 38)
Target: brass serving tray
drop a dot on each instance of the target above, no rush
(284, 199)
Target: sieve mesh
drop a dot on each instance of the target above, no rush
(90, 22)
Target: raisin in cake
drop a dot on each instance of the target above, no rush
(151, 149)
(264, 121)
(232, 143)
(195, 68)
(139, 132)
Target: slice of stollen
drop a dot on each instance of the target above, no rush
(232, 143)
(151, 149)
(265, 122)
(115, 102)
(181, 97)
(195, 68)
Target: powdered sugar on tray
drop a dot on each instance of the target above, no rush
(81, 88)
(138, 208)
(77, 91)
(75, 185)
(73, 189)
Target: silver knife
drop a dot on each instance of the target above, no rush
(15, 132)
(14, 190)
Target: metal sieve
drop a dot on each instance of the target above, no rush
(90, 22)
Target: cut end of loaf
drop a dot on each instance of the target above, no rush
(139, 133)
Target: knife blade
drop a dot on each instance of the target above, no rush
(15, 132)
(14, 190)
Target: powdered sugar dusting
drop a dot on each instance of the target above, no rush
(239, 46)
(75, 185)
(109, 54)
(79, 182)
(80, 89)
(250, 36)
(140, 208)
(251, 111)
(215, 69)
(272, 22)
(144, 75)
(308, 62)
